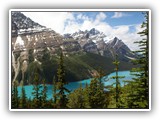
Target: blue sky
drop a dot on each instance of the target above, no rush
(123, 25)
(114, 19)
(126, 18)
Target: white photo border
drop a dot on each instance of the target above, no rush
(80, 10)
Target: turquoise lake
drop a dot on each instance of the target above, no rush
(74, 85)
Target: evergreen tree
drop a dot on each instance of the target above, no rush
(118, 86)
(86, 96)
(44, 95)
(96, 94)
(97, 98)
(54, 91)
(140, 96)
(61, 83)
(78, 99)
(14, 96)
(36, 92)
(93, 98)
(126, 97)
(100, 74)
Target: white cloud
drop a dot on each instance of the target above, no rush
(88, 23)
(71, 27)
(82, 17)
(54, 20)
(118, 15)
(79, 16)
(100, 17)
(66, 22)
(121, 30)
(123, 33)
(138, 27)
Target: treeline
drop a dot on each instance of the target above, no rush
(133, 95)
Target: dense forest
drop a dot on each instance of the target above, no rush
(133, 95)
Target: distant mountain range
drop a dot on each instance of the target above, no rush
(32, 41)
(97, 42)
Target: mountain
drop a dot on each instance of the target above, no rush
(87, 39)
(36, 47)
(29, 43)
(94, 41)
(117, 46)
(23, 22)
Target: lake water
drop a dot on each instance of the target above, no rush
(74, 85)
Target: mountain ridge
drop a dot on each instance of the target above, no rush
(96, 42)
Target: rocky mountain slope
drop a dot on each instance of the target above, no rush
(35, 46)
(29, 40)
(97, 42)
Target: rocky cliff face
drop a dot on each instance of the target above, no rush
(29, 39)
(87, 39)
(117, 46)
(96, 42)
(70, 46)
